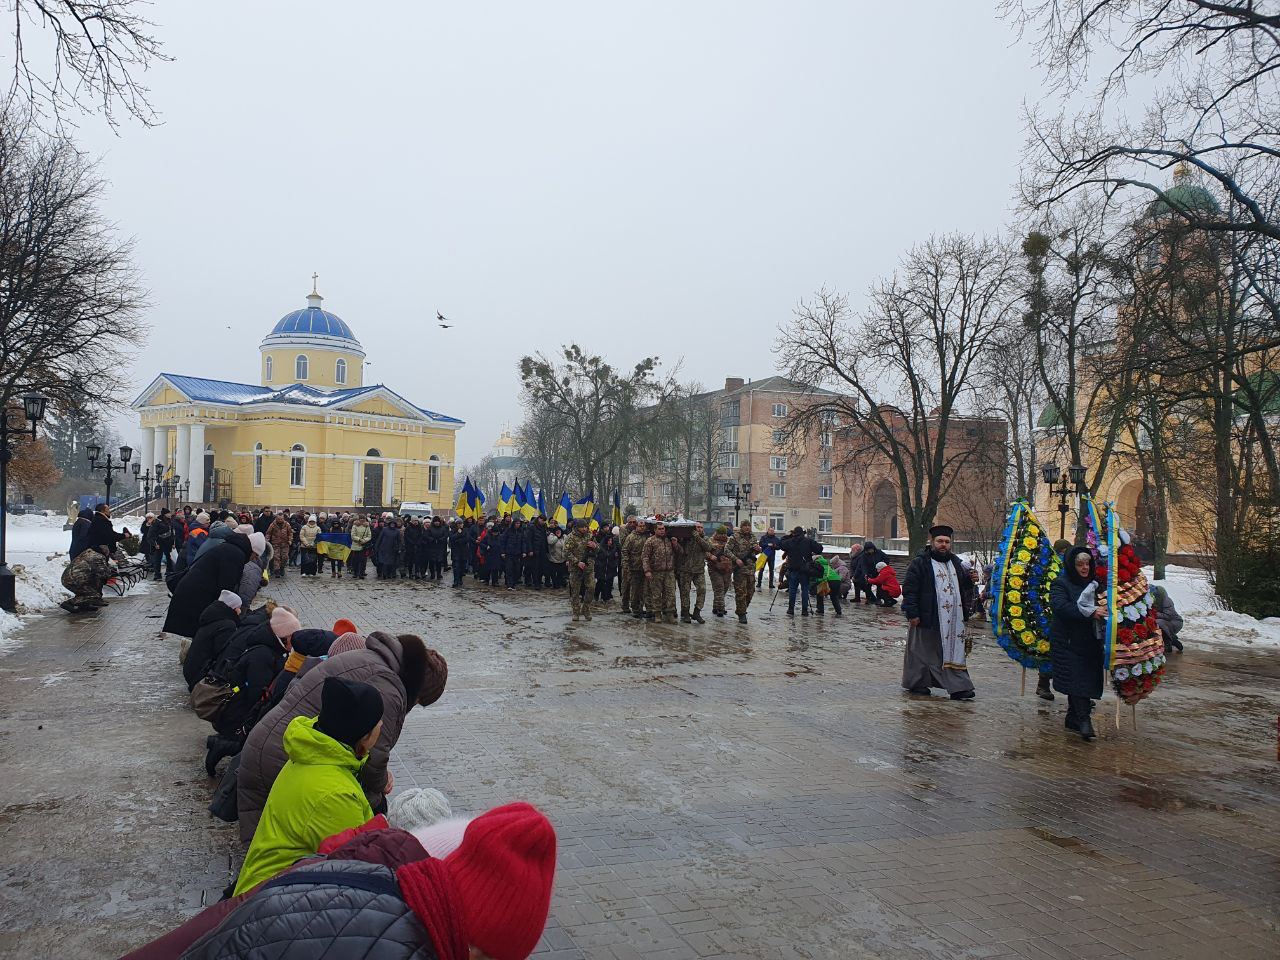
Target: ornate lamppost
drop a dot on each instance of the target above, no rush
(145, 479)
(33, 405)
(1063, 490)
(108, 467)
(737, 493)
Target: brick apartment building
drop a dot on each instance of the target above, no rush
(810, 490)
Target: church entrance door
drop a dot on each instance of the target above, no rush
(372, 485)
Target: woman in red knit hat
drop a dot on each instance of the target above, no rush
(376, 893)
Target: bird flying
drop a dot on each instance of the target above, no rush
(442, 318)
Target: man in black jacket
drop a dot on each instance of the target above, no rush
(800, 551)
(102, 535)
(536, 565)
(937, 596)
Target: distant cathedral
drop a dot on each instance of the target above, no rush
(311, 435)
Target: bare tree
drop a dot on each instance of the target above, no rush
(596, 407)
(904, 372)
(70, 297)
(1216, 107)
(1007, 379)
(94, 55)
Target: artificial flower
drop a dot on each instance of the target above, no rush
(1042, 646)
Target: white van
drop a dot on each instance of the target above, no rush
(423, 511)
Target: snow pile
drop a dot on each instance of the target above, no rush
(1206, 616)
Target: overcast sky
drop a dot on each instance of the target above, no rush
(663, 178)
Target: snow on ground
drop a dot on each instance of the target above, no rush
(1207, 619)
(36, 549)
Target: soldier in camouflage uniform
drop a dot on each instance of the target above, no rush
(625, 587)
(743, 548)
(633, 558)
(84, 577)
(719, 569)
(578, 555)
(689, 575)
(659, 561)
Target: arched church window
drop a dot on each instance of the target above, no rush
(300, 367)
(298, 466)
(340, 371)
(373, 452)
(433, 474)
(268, 368)
(257, 462)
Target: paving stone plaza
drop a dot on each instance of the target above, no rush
(719, 791)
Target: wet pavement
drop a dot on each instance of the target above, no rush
(719, 791)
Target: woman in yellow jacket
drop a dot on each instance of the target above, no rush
(317, 794)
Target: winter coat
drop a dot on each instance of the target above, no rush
(359, 914)
(770, 543)
(920, 595)
(459, 544)
(386, 547)
(374, 844)
(607, 559)
(555, 548)
(218, 624)
(436, 540)
(864, 564)
(693, 560)
(307, 536)
(538, 541)
(251, 575)
(80, 533)
(103, 534)
(251, 660)
(262, 522)
(196, 537)
(280, 535)
(1074, 646)
(361, 534)
(315, 795)
(800, 551)
(219, 569)
(383, 663)
(887, 581)
(825, 571)
(412, 539)
(1168, 619)
(161, 540)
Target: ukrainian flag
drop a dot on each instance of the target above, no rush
(463, 507)
(506, 502)
(617, 509)
(542, 504)
(563, 510)
(584, 508)
(529, 503)
(477, 503)
(597, 521)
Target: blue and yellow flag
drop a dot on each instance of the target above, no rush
(584, 508)
(506, 502)
(617, 509)
(477, 502)
(335, 546)
(529, 504)
(597, 521)
(542, 504)
(463, 507)
(517, 499)
(563, 510)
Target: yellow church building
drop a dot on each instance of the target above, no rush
(311, 435)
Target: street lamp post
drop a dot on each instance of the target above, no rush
(1066, 484)
(737, 493)
(108, 467)
(145, 479)
(33, 409)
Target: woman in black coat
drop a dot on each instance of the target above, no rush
(386, 550)
(607, 559)
(218, 568)
(1076, 648)
(435, 539)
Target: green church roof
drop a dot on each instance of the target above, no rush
(1050, 417)
(1184, 197)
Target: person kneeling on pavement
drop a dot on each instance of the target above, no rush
(317, 794)
(461, 890)
(404, 671)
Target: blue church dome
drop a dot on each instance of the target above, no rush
(314, 321)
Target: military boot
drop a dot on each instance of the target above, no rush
(742, 618)
(685, 618)
(697, 615)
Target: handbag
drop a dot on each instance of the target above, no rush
(210, 697)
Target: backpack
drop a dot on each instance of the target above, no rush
(210, 696)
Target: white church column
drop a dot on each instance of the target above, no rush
(390, 488)
(182, 456)
(356, 492)
(161, 452)
(195, 468)
(148, 449)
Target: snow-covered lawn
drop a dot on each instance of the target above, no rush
(1207, 620)
(36, 548)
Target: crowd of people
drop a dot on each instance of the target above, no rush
(338, 862)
